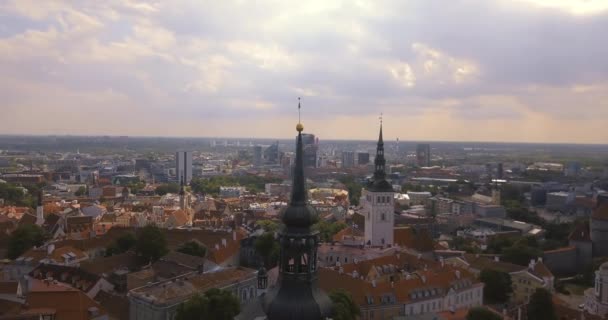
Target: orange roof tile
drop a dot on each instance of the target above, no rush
(419, 240)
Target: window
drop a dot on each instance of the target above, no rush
(383, 216)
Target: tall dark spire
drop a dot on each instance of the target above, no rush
(297, 296)
(379, 183)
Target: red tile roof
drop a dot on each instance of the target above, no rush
(419, 240)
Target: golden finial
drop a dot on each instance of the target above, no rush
(299, 127)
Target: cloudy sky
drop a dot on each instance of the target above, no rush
(472, 70)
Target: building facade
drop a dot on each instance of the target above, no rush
(183, 166)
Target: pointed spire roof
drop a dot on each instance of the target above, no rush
(299, 214)
(379, 183)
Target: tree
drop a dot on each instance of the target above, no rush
(193, 248)
(81, 191)
(163, 189)
(123, 244)
(268, 248)
(520, 254)
(151, 243)
(344, 308)
(480, 313)
(268, 225)
(24, 238)
(214, 304)
(354, 189)
(327, 229)
(541, 306)
(497, 286)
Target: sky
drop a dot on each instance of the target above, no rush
(458, 70)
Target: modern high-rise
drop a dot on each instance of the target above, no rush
(271, 154)
(423, 155)
(183, 166)
(348, 159)
(257, 156)
(362, 158)
(311, 148)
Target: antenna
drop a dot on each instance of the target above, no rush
(380, 118)
(299, 107)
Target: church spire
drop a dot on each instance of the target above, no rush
(380, 162)
(296, 295)
(379, 183)
(298, 193)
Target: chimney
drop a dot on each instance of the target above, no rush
(374, 283)
(423, 278)
(540, 259)
(392, 284)
(49, 249)
(442, 262)
(224, 242)
(217, 246)
(497, 258)
(233, 235)
(532, 264)
(457, 274)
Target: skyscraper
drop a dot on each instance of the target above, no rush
(423, 155)
(348, 159)
(310, 149)
(271, 154)
(378, 203)
(257, 156)
(362, 158)
(183, 166)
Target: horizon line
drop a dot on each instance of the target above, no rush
(328, 139)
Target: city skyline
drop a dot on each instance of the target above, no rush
(524, 71)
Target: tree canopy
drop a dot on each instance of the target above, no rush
(268, 225)
(327, 229)
(344, 308)
(163, 189)
(354, 189)
(541, 306)
(14, 195)
(193, 248)
(123, 244)
(212, 185)
(497, 286)
(24, 238)
(480, 313)
(268, 248)
(151, 243)
(214, 304)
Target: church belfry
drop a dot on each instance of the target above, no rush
(378, 202)
(297, 295)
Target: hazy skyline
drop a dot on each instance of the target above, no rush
(470, 70)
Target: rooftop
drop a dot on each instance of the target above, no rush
(180, 288)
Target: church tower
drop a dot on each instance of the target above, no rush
(297, 295)
(378, 203)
